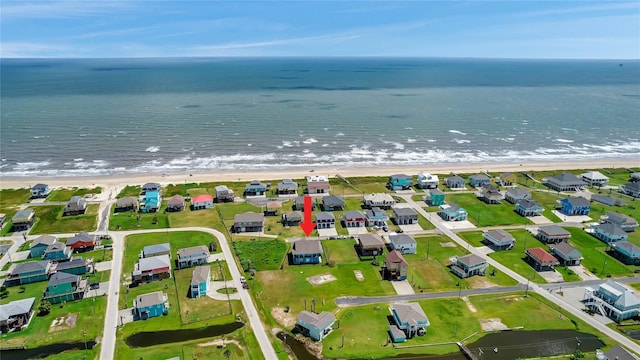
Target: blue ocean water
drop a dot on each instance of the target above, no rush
(116, 116)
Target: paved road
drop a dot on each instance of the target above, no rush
(108, 346)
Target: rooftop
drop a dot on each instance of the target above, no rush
(309, 246)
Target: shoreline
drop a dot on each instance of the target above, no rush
(280, 173)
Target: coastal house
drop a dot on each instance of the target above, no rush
(370, 245)
(256, 188)
(202, 202)
(403, 243)
(151, 305)
(634, 177)
(575, 206)
(552, 234)
(57, 252)
(380, 200)
(376, 217)
(64, 287)
(224, 194)
(40, 191)
(528, 207)
(540, 259)
(75, 206)
(478, 179)
(594, 178)
(400, 182)
(127, 203)
(192, 256)
(567, 254)
(354, 219)
(272, 208)
(516, 194)
(292, 218)
(631, 189)
(609, 233)
(156, 250)
(315, 326)
(626, 252)
(16, 315)
(325, 220)
(30, 272)
(176, 203)
(454, 182)
(248, 222)
(332, 203)
(306, 252)
(490, 194)
(317, 184)
(498, 239)
(564, 182)
(199, 281)
(40, 244)
(427, 181)
(23, 220)
(468, 265)
(150, 202)
(287, 187)
(82, 242)
(395, 267)
(151, 186)
(298, 204)
(608, 200)
(410, 319)
(618, 353)
(625, 222)
(452, 212)
(76, 265)
(404, 215)
(434, 197)
(507, 179)
(151, 268)
(613, 300)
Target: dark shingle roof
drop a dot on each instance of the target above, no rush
(62, 278)
(306, 247)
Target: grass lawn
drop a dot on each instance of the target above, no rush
(229, 210)
(267, 254)
(548, 200)
(482, 214)
(97, 255)
(131, 220)
(595, 257)
(187, 218)
(129, 191)
(99, 276)
(368, 184)
(339, 187)
(11, 198)
(49, 220)
(66, 194)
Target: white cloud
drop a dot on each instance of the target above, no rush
(58, 9)
(33, 50)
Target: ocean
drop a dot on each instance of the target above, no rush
(88, 117)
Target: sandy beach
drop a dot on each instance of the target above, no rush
(277, 174)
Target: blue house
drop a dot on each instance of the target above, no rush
(610, 233)
(40, 244)
(315, 326)
(452, 212)
(575, 206)
(306, 252)
(150, 202)
(57, 252)
(410, 319)
(376, 217)
(200, 281)
(626, 252)
(256, 188)
(400, 182)
(613, 300)
(478, 179)
(528, 207)
(151, 305)
(29, 272)
(40, 191)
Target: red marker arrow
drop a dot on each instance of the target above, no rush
(307, 225)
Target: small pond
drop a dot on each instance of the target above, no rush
(145, 339)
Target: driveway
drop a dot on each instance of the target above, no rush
(411, 228)
(125, 316)
(100, 291)
(357, 230)
(402, 287)
(539, 220)
(571, 218)
(551, 276)
(327, 232)
(214, 286)
(583, 272)
(457, 225)
(103, 265)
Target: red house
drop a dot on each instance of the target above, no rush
(82, 242)
(540, 259)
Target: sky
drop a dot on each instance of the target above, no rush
(481, 28)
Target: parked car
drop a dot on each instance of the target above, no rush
(94, 286)
(385, 228)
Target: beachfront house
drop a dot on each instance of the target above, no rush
(434, 197)
(454, 182)
(528, 207)
(272, 208)
(468, 265)
(516, 194)
(634, 177)
(199, 281)
(76, 266)
(82, 242)
(376, 217)
(612, 299)
(224, 194)
(478, 179)
(23, 220)
(292, 218)
(151, 268)
(427, 181)
(127, 203)
(317, 184)
(192, 256)
(540, 259)
(395, 267)
(370, 245)
(325, 220)
(626, 252)
(452, 212)
(287, 186)
(315, 326)
(507, 179)
(552, 234)
(57, 252)
(30, 272)
(40, 191)
(40, 244)
(298, 204)
(400, 182)
(332, 203)
(151, 305)
(498, 239)
(306, 252)
(564, 182)
(567, 254)
(16, 315)
(354, 219)
(624, 221)
(150, 202)
(202, 202)
(608, 200)
(380, 200)
(176, 203)
(75, 206)
(64, 287)
(575, 206)
(256, 188)
(403, 243)
(156, 250)
(248, 222)
(490, 194)
(609, 233)
(151, 186)
(631, 189)
(410, 319)
(594, 178)
(404, 215)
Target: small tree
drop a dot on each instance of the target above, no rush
(227, 353)
(44, 308)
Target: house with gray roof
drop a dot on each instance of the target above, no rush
(528, 207)
(127, 203)
(248, 222)
(30, 272)
(454, 182)
(612, 299)
(564, 182)
(224, 194)
(306, 251)
(315, 326)
(376, 217)
(150, 187)
(200, 281)
(619, 353)
(608, 200)
(75, 206)
(354, 219)
(379, 200)
(515, 194)
(404, 215)
(490, 194)
(40, 244)
(325, 220)
(575, 206)
(626, 222)
(452, 212)
(609, 233)
(634, 177)
(552, 234)
(287, 186)
(498, 239)
(177, 203)
(404, 243)
(292, 218)
(57, 252)
(298, 204)
(332, 203)
(631, 189)
(468, 265)
(594, 178)
(478, 180)
(370, 245)
(64, 287)
(192, 256)
(76, 265)
(256, 188)
(567, 254)
(151, 268)
(626, 252)
(23, 220)
(151, 305)
(16, 315)
(410, 319)
(40, 191)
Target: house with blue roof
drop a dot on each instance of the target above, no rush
(575, 206)
(613, 300)
(400, 182)
(452, 212)
(256, 188)
(626, 252)
(609, 233)
(478, 180)
(150, 202)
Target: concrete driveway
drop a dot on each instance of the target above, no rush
(103, 265)
(100, 291)
(214, 286)
(327, 232)
(402, 287)
(551, 276)
(571, 218)
(411, 227)
(540, 220)
(357, 230)
(457, 225)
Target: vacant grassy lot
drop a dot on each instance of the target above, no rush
(186, 218)
(368, 184)
(595, 257)
(131, 220)
(11, 198)
(267, 254)
(66, 194)
(548, 200)
(482, 214)
(49, 220)
(129, 191)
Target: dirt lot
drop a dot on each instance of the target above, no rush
(283, 318)
(321, 279)
(65, 322)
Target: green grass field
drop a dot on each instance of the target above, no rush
(66, 194)
(131, 220)
(129, 191)
(595, 257)
(266, 254)
(49, 220)
(482, 214)
(11, 198)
